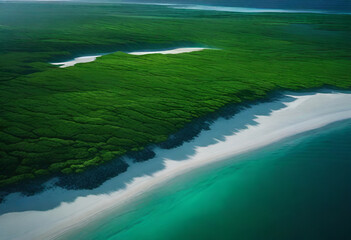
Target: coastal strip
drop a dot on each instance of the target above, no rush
(252, 128)
(86, 59)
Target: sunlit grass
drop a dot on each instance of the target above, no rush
(66, 120)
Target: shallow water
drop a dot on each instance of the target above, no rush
(296, 189)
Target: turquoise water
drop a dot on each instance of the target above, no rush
(296, 189)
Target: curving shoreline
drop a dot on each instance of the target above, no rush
(254, 127)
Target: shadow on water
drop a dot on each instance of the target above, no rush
(217, 131)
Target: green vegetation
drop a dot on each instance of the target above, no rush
(67, 120)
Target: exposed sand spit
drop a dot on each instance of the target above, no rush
(87, 59)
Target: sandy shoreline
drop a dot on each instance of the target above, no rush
(250, 129)
(86, 59)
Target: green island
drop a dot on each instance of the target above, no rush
(67, 120)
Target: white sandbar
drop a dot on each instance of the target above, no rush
(87, 59)
(73, 62)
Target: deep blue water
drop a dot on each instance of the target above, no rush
(331, 5)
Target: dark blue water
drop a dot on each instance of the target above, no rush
(330, 5)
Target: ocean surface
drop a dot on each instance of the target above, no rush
(299, 188)
(326, 5)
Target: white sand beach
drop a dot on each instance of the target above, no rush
(49, 214)
(92, 58)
